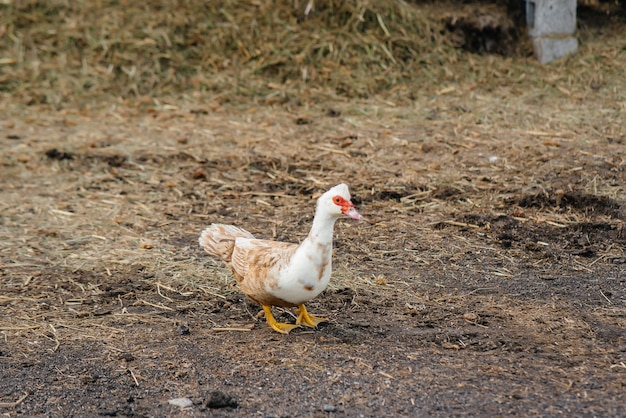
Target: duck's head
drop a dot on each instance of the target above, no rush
(336, 202)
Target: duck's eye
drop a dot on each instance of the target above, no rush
(337, 200)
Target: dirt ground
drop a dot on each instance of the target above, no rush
(488, 277)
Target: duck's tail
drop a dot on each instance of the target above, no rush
(219, 240)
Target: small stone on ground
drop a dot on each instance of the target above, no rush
(329, 408)
(181, 402)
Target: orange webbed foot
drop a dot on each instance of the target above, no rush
(277, 326)
(306, 319)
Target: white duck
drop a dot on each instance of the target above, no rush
(278, 273)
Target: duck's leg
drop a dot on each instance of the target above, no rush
(307, 319)
(276, 326)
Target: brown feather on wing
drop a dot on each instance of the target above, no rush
(256, 264)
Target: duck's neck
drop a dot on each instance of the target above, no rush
(322, 229)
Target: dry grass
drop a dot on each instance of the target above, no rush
(135, 196)
(80, 54)
(61, 52)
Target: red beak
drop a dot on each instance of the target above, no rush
(350, 212)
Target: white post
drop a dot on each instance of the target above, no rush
(551, 26)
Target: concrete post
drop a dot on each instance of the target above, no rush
(551, 24)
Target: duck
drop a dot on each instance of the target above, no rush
(283, 274)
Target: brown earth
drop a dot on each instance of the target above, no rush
(474, 287)
(488, 278)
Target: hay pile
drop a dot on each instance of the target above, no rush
(57, 51)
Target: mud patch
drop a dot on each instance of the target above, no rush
(483, 31)
(55, 154)
(587, 204)
(585, 239)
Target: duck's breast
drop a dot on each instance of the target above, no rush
(306, 276)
